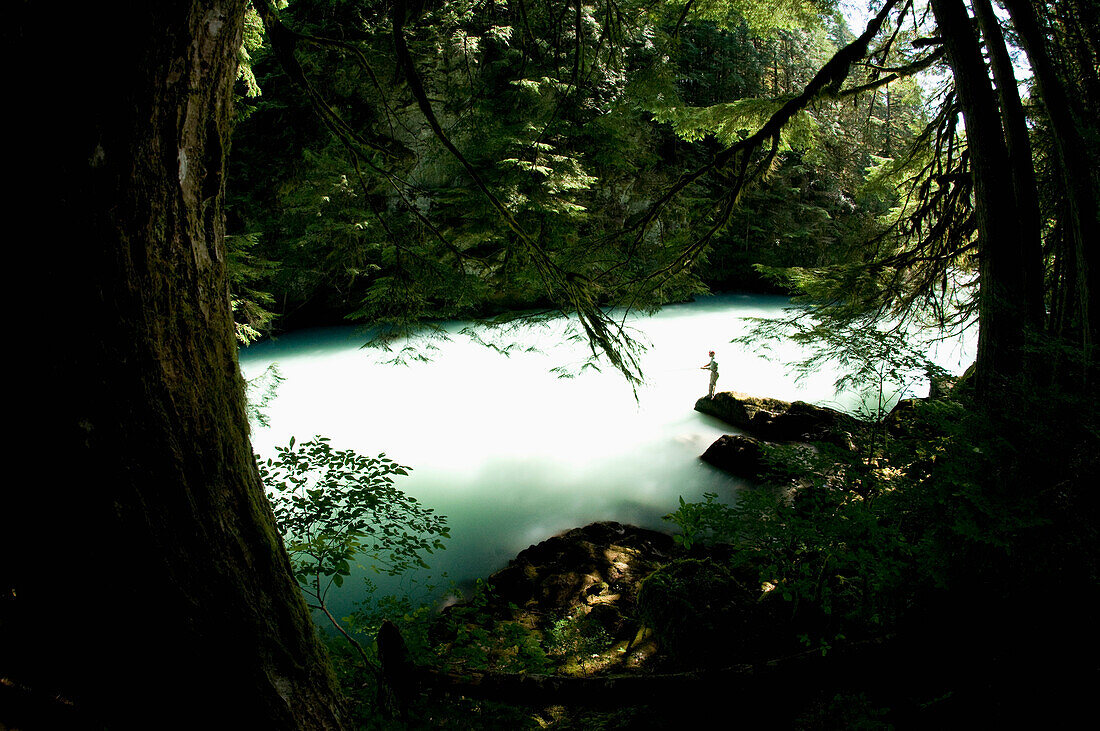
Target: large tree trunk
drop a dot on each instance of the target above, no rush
(151, 588)
(1008, 308)
(1079, 173)
(1018, 145)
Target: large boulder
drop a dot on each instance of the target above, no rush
(775, 420)
(598, 567)
(738, 409)
(941, 384)
(737, 454)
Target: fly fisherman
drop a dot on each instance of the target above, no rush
(713, 368)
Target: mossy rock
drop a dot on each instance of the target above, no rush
(738, 409)
(782, 421)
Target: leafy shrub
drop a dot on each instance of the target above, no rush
(828, 548)
(335, 507)
(577, 635)
(708, 521)
(699, 611)
(471, 638)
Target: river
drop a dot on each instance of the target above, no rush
(511, 452)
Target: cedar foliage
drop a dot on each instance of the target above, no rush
(559, 143)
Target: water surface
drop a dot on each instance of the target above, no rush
(512, 453)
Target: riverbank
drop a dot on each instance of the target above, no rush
(855, 593)
(522, 440)
(588, 580)
(518, 444)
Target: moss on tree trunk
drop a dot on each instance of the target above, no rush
(154, 587)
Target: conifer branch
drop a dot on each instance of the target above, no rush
(825, 83)
(576, 289)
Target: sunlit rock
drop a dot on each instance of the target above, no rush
(588, 579)
(738, 409)
(781, 421)
(600, 563)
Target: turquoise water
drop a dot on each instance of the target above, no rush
(512, 453)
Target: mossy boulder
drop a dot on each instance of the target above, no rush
(775, 420)
(738, 409)
(595, 569)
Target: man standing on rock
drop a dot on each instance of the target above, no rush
(713, 368)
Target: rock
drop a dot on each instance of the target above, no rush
(940, 385)
(900, 418)
(739, 409)
(737, 454)
(781, 421)
(598, 566)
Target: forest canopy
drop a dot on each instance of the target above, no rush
(478, 158)
(557, 156)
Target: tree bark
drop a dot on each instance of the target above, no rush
(150, 587)
(1007, 307)
(1079, 173)
(1018, 147)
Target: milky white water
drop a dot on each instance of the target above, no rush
(513, 454)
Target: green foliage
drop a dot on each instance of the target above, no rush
(419, 625)
(708, 521)
(249, 304)
(855, 711)
(806, 549)
(951, 504)
(700, 612)
(878, 363)
(337, 507)
(729, 122)
(763, 17)
(999, 487)
(839, 556)
(413, 618)
(251, 42)
(827, 554)
(260, 392)
(576, 636)
(477, 641)
(558, 109)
